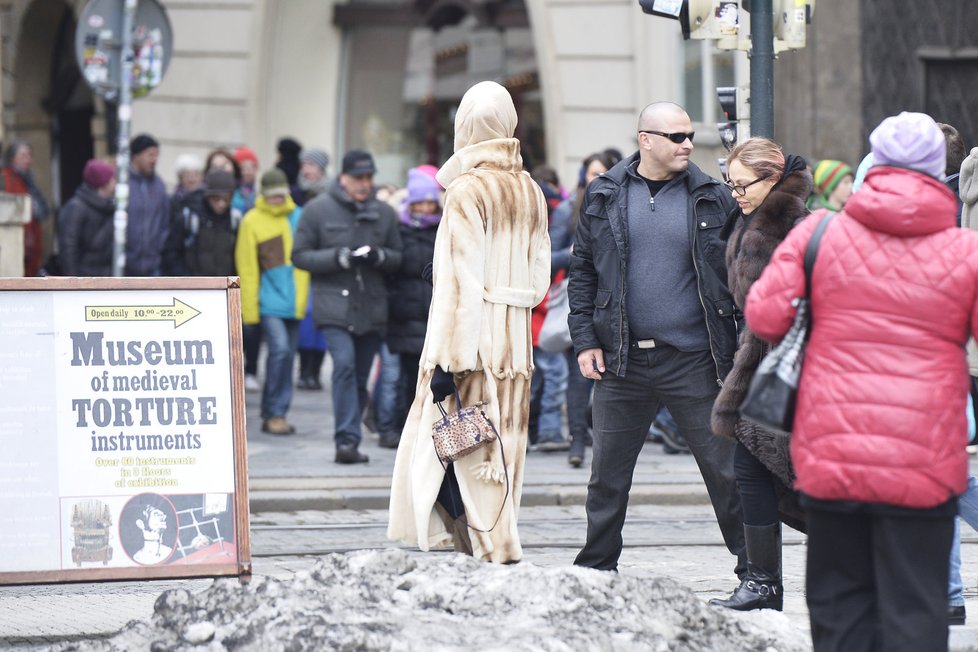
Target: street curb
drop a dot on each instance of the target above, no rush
(533, 496)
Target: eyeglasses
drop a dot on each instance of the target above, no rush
(678, 137)
(742, 189)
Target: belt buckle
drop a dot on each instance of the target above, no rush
(645, 344)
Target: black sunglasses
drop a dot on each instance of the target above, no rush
(678, 137)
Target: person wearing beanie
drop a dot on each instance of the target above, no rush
(274, 291)
(350, 243)
(85, 229)
(244, 195)
(243, 200)
(312, 344)
(149, 210)
(833, 185)
(879, 434)
(202, 234)
(312, 175)
(288, 158)
(409, 293)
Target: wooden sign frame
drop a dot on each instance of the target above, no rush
(241, 565)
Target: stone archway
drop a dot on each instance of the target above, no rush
(47, 104)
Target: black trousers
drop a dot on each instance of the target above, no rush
(758, 497)
(878, 581)
(623, 411)
(578, 398)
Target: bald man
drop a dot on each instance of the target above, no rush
(652, 322)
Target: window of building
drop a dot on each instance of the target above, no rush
(405, 78)
(705, 68)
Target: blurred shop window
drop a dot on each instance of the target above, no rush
(705, 68)
(403, 84)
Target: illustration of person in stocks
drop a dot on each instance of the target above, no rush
(153, 525)
(491, 266)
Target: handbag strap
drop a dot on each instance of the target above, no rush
(502, 454)
(458, 405)
(812, 251)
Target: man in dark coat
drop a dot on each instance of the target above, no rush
(652, 322)
(349, 241)
(149, 210)
(85, 231)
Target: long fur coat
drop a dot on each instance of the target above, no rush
(749, 249)
(491, 266)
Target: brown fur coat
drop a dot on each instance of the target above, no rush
(749, 249)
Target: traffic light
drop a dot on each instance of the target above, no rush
(735, 104)
(698, 19)
(791, 17)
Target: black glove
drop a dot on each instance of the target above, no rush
(343, 257)
(427, 274)
(375, 257)
(442, 385)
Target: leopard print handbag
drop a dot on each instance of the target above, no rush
(463, 432)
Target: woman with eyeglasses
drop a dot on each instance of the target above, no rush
(770, 189)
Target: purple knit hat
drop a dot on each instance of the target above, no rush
(910, 140)
(422, 187)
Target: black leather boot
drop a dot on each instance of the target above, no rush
(761, 588)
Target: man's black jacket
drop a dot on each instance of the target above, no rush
(597, 286)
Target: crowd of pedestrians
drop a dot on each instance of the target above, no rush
(668, 286)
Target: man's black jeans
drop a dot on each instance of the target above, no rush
(623, 411)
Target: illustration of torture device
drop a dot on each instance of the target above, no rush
(91, 522)
(203, 527)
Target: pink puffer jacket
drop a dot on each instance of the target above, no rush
(881, 407)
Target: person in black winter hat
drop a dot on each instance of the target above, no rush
(149, 209)
(203, 235)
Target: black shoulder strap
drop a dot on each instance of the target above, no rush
(812, 250)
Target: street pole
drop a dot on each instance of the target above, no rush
(762, 68)
(121, 218)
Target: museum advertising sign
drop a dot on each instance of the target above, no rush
(122, 429)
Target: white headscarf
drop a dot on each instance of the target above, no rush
(485, 113)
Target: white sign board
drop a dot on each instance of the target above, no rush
(121, 431)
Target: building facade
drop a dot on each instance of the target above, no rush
(386, 75)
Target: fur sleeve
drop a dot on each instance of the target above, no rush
(455, 318)
(542, 255)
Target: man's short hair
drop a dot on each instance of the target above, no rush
(955, 149)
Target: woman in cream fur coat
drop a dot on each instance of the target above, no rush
(491, 267)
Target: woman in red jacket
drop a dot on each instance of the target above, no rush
(880, 429)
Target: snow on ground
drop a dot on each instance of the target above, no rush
(400, 601)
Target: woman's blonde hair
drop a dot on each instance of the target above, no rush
(760, 155)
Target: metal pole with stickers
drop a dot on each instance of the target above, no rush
(123, 48)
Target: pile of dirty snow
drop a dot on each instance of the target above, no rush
(394, 600)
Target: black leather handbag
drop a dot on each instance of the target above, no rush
(770, 400)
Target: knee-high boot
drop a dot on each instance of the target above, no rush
(761, 587)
